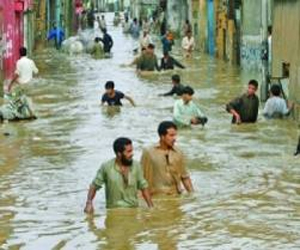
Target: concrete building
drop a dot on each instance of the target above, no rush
(286, 46)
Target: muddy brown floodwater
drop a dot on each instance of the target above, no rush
(247, 181)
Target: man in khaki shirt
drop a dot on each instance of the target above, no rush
(164, 165)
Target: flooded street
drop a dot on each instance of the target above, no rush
(246, 178)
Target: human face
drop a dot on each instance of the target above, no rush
(110, 92)
(186, 98)
(170, 138)
(127, 156)
(251, 90)
(150, 51)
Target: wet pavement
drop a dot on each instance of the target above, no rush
(246, 178)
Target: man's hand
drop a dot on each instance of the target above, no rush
(194, 121)
(237, 119)
(89, 209)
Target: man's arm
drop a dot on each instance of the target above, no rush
(187, 183)
(130, 100)
(147, 197)
(170, 93)
(178, 64)
(89, 202)
(231, 108)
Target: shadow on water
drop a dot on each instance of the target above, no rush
(246, 180)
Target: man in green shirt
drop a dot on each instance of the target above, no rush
(186, 112)
(148, 60)
(122, 178)
(244, 109)
(97, 50)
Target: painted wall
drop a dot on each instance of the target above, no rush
(177, 12)
(12, 34)
(286, 45)
(251, 38)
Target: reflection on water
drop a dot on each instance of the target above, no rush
(246, 180)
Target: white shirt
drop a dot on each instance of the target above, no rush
(275, 105)
(145, 41)
(25, 70)
(188, 43)
(96, 25)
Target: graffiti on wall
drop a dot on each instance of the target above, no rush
(251, 51)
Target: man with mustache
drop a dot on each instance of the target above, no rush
(122, 178)
(164, 165)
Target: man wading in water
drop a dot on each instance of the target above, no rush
(19, 105)
(122, 178)
(164, 164)
(113, 97)
(245, 108)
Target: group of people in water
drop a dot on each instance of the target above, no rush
(162, 168)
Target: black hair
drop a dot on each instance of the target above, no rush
(23, 51)
(166, 53)
(109, 85)
(253, 83)
(188, 90)
(120, 144)
(143, 49)
(164, 126)
(104, 30)
(270, 29)
(176, 78)
(275, 90)
(151, 46)
(97, 39)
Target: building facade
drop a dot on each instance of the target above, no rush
(286, 47)
(14, 32)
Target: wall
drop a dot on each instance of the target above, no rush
(177, 12)
(251, 38)
(203, 35)
(12, 36)
(286, 45)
